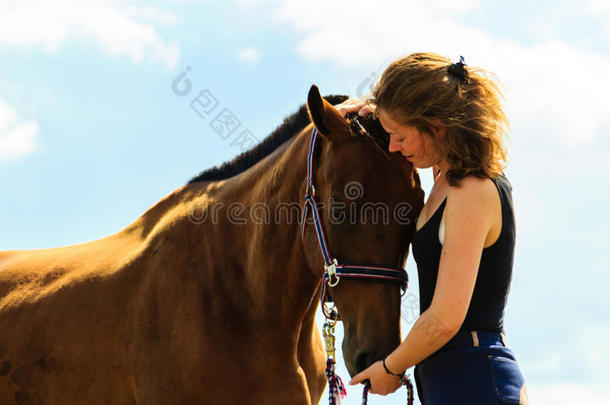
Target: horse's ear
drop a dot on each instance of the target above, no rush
(324, 116)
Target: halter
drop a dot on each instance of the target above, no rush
(333, 271)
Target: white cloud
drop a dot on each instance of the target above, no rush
(554, 91)
(250, 55)
(121, 27)
(17, 138)
(597, 7)
(601, 9)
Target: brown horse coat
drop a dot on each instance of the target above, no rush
(175, 310)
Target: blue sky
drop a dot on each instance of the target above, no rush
(91, 133)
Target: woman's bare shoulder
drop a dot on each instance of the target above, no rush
(474, 190)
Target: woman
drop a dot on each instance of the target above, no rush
(448, 116)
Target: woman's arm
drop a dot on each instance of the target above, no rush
(469, 216)
(468, 219)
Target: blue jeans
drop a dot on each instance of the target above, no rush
(472, 368)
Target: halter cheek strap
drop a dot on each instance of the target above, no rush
(333, 270)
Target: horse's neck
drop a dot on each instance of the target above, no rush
(265, 246)
(257, 267)
(273, 192)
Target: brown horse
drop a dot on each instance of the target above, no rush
(204, 301)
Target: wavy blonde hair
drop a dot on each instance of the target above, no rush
(422, 89)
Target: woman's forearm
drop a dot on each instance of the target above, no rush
(427, 335)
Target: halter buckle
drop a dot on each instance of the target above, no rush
(331, 271)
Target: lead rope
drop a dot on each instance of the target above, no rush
(336, 388)
(404, 380)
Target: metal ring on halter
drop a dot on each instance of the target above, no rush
(312, 188)
(331, 270)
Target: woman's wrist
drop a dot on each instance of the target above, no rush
(388, 369)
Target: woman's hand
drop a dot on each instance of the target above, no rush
(382, 383)
(354, 105)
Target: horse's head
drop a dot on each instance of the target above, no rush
(370, 199)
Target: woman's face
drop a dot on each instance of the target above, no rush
(416, 146)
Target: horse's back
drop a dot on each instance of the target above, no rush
(64, 312)
(69, 315)
(27, 276)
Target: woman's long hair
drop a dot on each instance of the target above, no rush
(423, 89)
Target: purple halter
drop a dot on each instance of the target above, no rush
(333, 271)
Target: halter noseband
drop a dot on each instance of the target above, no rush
(333, 271)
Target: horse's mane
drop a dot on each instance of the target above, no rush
(242, 162)
(292, 125)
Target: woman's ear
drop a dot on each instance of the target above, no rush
(439, 129)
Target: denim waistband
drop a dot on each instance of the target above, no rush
(475, 339)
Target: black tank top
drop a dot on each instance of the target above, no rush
(486, 310)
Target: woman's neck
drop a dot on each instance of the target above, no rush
(439, 170)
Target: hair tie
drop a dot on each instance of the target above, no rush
(457, 69)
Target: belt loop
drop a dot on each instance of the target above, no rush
(475, 338)
(503, 339)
